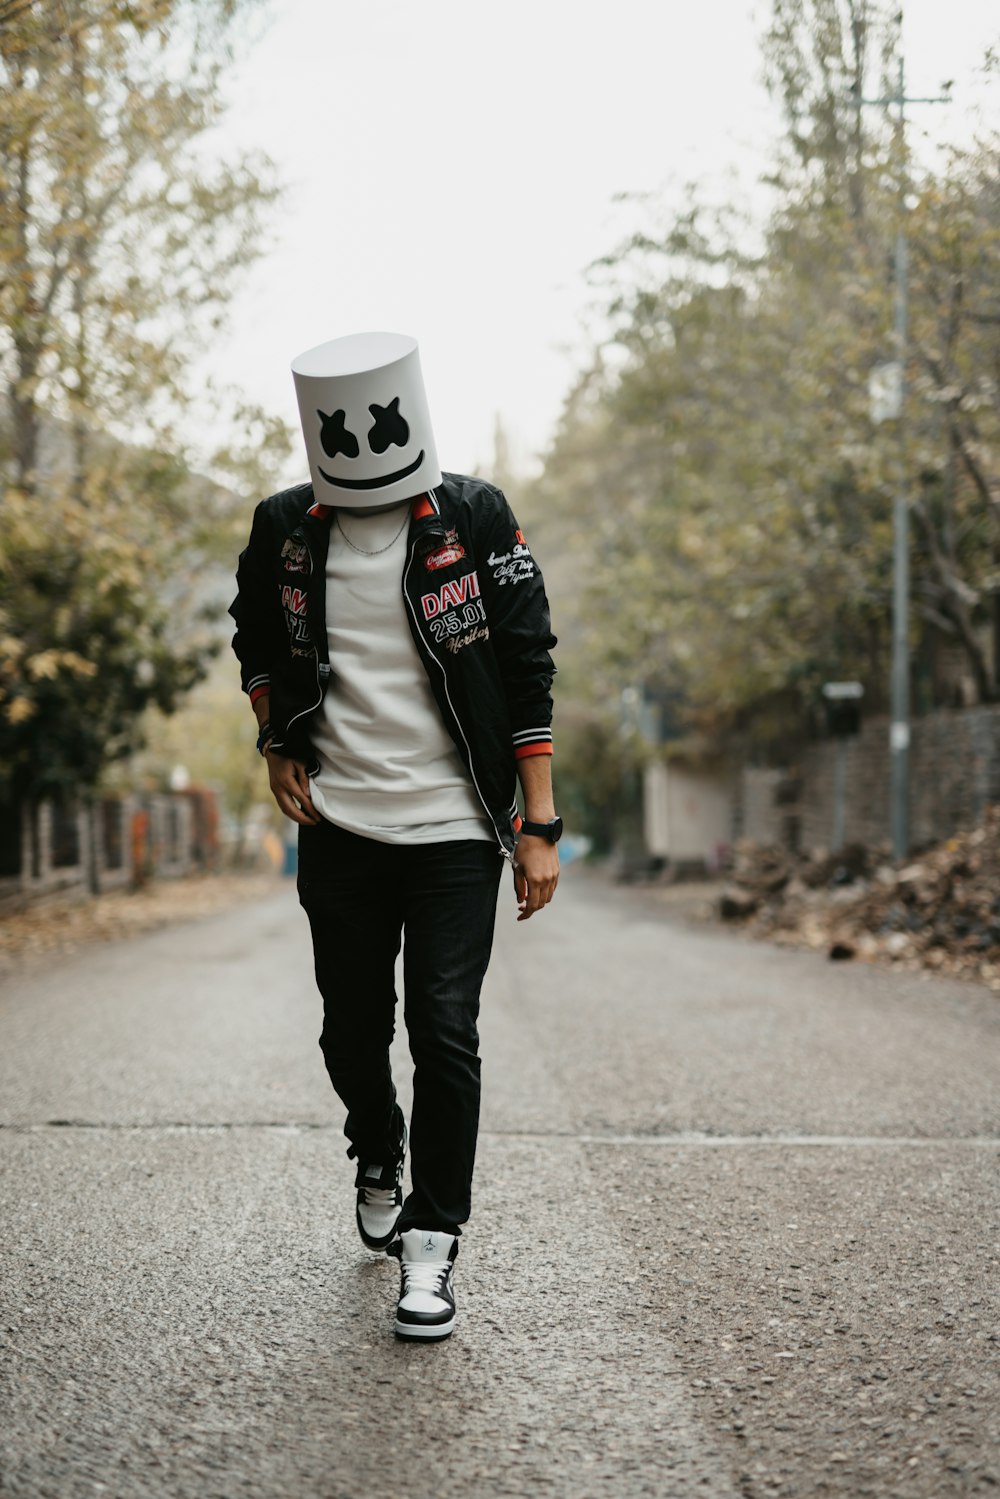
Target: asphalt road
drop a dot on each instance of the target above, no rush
(735, 1228)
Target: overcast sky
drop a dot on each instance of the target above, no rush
(452, 168)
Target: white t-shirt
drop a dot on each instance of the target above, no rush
(389, 769)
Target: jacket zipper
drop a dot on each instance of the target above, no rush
(406, 576)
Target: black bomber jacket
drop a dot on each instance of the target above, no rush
(477, 610)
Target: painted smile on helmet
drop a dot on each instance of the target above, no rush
(380, 482)
(390, 429)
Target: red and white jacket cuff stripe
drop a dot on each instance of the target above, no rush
(532, 742)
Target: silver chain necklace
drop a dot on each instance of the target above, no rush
(361, 551)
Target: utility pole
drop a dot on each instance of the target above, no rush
(899, 729)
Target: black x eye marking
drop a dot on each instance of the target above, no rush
(390, 427)
(335, 437)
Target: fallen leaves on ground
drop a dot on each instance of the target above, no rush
(939, 910)
(60, 924)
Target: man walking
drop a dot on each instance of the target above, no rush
(393, 636)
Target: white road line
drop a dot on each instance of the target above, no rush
(797, 1141)
(679, 1141)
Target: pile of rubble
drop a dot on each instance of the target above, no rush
(941, 910)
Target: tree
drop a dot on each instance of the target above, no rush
(819, 57)
(118, 251)
(956, 471)
(816, 53)
(718, 472)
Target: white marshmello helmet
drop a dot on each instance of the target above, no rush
(365, 420)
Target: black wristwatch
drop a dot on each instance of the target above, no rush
(550, 830)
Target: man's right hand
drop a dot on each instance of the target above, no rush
(291, 790)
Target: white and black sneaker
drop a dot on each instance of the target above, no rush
(426, 1307)
(380, 1198)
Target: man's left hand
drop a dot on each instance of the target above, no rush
(536, 874)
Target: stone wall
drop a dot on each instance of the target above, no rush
(762, 809)
(954, 776)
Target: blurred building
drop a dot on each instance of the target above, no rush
(696, 803)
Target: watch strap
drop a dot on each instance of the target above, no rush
(549, 830)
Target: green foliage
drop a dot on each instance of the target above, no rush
(117, 246)
(596, 773)
(83, 646)
(118, 251)
(719, 491)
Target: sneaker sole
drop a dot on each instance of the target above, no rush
(417, 1333)
(377, 1246)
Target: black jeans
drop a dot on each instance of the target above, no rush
(361, 897)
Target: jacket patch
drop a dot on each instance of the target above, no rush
(515, 566)
(450, 594)
(294, 603)
(294, 557)
(451, 551)
(456, 643)
(444, 557)
(455, 609)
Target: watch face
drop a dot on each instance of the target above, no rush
(555, 831)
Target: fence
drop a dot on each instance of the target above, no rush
(65, 847)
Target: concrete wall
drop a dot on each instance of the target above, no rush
(688, 813)
(655, 814)
(760, 819)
